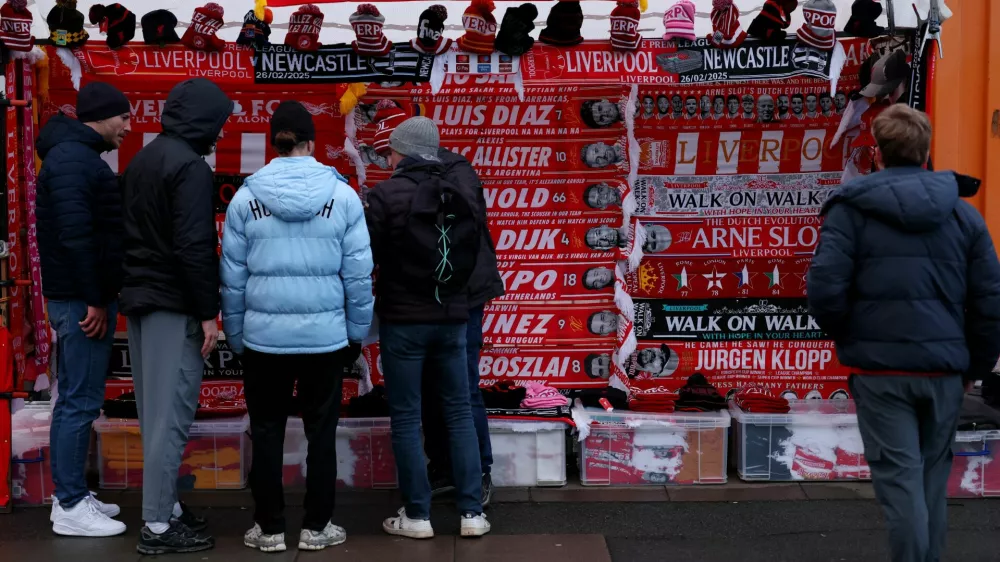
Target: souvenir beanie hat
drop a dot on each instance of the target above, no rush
(514, 37)
(679, 21)
(115, 21)
(430, 37)
(159, 27)
(480, 28)
(625, 26)
(773, 19)
(862, 20)
(15, 26)
(304, 27)
(388, 116)
(726, 30)
(369, 25)
(562, 27)
(66, 25)
(256, 26)
(205, 23)
(818, 29)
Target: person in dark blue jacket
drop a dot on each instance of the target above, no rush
(907, 283)
(79, 221)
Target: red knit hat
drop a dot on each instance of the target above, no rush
(625, 25)
(15, 26)
(368, 24)
(388, 116)
(726, 30)
(480, 28)
(304, 27)
(205, 23)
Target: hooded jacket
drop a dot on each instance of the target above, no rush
(171, 241)
(296, 262)
(905, 278)
(388, 207)
(79, 215)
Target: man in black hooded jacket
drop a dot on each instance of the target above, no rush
(171, 298)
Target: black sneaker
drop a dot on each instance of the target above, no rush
(441, 485)
(177, 539)
(487, 490)
(190, 520)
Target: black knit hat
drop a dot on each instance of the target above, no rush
(66, 25)
(159, 28)
(563, 25)
(292, 116)
(117, 21)
(514, 37)
(430, 37)
(98, 101)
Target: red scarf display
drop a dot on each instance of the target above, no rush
(566, 197)
(529, 325)
(557, 281)
(40, 330)
(719, 278)
(560, 367)
(17, 177)
(737, 237)
(721, 154)
(554, 240)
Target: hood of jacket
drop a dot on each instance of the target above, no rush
(61, 128)
(195, 111)
(909, 199)
(294, 189)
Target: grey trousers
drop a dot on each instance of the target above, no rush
(908, 425)
(167, 368)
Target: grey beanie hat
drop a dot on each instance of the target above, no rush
(417, 137)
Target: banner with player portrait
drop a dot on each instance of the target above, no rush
(659, 277)
(533, 325)
(725, 320)
(567, 197)
(733, 196)
(543, 282)
(559, 367)
(735, 237)
(778, 366)
(600, 239)
(597, 112)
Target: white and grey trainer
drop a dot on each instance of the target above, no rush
(255, 538)
(331, 535)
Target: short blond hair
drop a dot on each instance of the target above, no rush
(903, 135)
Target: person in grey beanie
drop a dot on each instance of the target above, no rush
(426, 225)
(79, 221)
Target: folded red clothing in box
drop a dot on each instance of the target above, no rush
(756, 401)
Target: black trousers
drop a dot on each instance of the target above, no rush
(269, 381)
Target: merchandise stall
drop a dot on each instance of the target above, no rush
(653, 200)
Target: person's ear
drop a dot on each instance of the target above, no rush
(311, 147)
(879, 164)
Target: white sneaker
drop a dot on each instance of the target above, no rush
(475, 525)
(255, 538)
(84, 520)
(331, 535)
(109, 509)
(403, 526)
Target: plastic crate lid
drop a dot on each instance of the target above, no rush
(974, 436)
(526, 426)
(347, 423)
(221, 426)
(803, 412)
(683, 420)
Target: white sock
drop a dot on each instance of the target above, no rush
(177, 509)
(157, 528)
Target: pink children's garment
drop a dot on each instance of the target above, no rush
(541, 396)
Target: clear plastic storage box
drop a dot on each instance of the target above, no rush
(975, 471)
(528, 453)
(31, 469)
(217, 455)
(816, 440)
(643, 449)
(364, 454)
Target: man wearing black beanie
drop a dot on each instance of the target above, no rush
(79, 217)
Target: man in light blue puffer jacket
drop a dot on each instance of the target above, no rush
(296, 303)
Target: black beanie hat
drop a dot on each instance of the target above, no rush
(159, 28)
(430, 31)
(117, 21)
(66, 25)
(98, 101)
(563, 25)
(293, 117)
(514, 37)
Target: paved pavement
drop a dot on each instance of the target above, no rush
(733, 523)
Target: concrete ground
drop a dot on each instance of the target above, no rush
(737, 522)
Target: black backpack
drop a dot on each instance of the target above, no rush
(442, 241)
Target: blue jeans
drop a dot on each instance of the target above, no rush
(907, 425)
(435, 432)
(82, 370)
(405, 348)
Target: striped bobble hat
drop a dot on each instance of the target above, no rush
(679, 21)
(480, 28)
(388, 116)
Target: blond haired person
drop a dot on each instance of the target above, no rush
(907, 283)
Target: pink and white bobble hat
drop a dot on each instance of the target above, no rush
(679, 21)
